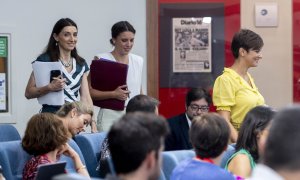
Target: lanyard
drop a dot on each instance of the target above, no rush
(205, 159)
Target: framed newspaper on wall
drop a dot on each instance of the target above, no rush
(191, 44)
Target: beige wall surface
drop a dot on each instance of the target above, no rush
(273, 76)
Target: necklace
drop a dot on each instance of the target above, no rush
(66, 64)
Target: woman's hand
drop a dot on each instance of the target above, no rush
(120, 93)
(67, 150)
(57, 84)
(93, 127)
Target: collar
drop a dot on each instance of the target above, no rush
(189, 121)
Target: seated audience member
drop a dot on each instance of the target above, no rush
(75, 116)
(141, 103)
(209, 135)
(196, 103)
(254, 127)
(281, 154)
(136, 143)
(46, 139)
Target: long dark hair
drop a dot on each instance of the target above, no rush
(52, 49)
(256, 120)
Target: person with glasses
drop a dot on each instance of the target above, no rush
(197, 103)
(234, 91)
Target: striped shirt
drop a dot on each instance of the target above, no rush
(73, 81)
(73, 78)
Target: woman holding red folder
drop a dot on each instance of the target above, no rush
(122, 39)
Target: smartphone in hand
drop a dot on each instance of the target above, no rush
(54, 74)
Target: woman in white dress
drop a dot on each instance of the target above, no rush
(122, 39)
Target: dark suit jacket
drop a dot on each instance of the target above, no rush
(178, 139)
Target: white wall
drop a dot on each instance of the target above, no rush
(273, 76)
(31, 23)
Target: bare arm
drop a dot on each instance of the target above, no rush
(240, 165)
(233, 132)
(34, 92)
(80, 168)
(85, 97)
(119, 93)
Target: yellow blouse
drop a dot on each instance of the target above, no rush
(232, 93)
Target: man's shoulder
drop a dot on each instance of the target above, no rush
(176, 119)
(184, 169)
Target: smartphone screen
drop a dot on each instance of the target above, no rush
(54, 73)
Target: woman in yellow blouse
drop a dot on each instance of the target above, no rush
(234, 92)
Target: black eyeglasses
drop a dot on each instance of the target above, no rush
(197, 108)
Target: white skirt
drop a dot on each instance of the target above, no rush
(106, 118)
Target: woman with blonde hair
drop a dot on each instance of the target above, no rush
(75, 117)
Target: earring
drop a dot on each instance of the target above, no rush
(56, 43)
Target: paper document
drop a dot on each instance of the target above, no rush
(41, 71)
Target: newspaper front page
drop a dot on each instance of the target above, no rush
(191, 44)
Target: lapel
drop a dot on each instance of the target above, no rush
(184, 128)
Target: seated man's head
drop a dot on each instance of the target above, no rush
(197, 102)
(142, 103)
(282, 146)
(44, 133)
(135, 143)
(209, 135)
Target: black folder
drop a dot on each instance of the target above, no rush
(107, 75)
(47, 171)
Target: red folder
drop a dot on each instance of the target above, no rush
(107, 75)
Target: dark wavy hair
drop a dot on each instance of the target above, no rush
(53, 50)
(118, 28)
(44, 133)
(255, 121)
(195, 94)
(209, 135)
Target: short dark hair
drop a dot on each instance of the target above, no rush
(195, 94)
(247, 40)
(142, 103)
(282, 145)
(255, 121)
(44, 133)
(119, 27)
(209, 135)
(53, 50)
(133, 137)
